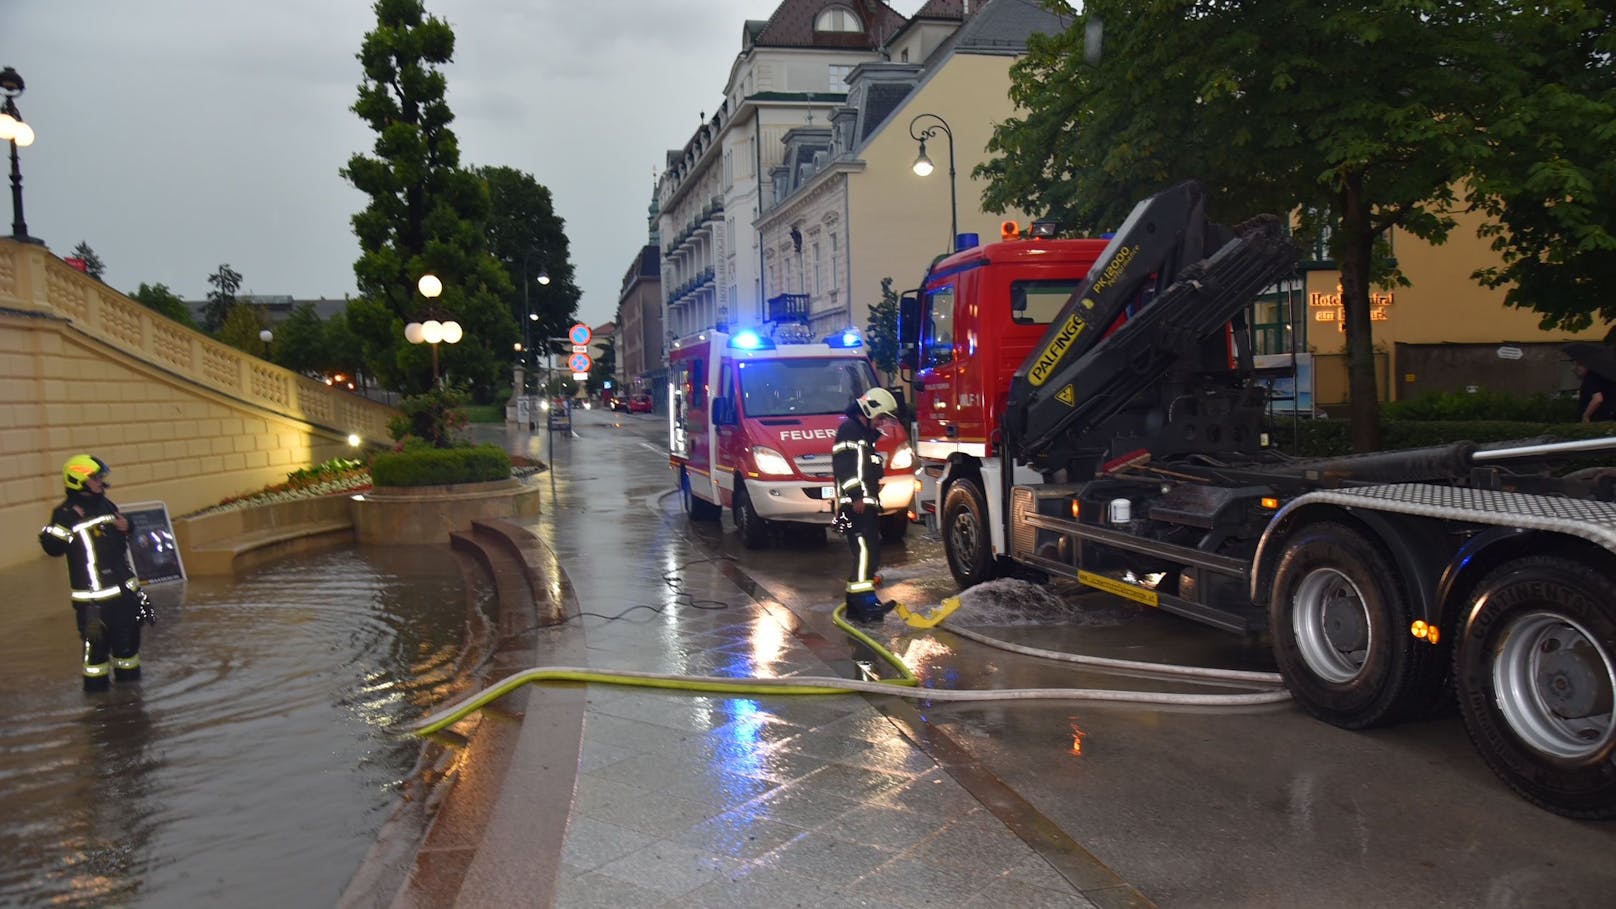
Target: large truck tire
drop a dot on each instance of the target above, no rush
(696, 508)
(1535, 666)
(967, 539)
(753, 529)
(1340, 625)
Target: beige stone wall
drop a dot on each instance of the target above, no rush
(181, 418)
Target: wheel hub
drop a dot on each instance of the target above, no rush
(1568, 681)
(1331, 625)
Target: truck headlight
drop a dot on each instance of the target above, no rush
(769, 461)
(903, 458)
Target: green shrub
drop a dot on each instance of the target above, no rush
(1327, 438)
(434, 417)
(1483, 405)
(425, 466)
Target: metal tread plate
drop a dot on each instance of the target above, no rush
(1594, 521)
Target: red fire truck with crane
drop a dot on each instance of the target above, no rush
(752, 417)
(1089, 409)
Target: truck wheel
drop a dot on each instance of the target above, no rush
(966, 537)
(894, 526)
(1340, 620)
(753, 529)
(1536, 672)
(698, 509)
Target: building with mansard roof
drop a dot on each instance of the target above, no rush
(791, 72)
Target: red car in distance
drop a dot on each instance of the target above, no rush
(640, 403)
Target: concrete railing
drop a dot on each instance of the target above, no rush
(182, 418)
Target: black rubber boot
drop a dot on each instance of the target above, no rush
(126, 675)
(97, 683)
(867, 608)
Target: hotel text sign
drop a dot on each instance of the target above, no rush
(1329, 307)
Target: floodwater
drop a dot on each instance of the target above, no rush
(251, 765)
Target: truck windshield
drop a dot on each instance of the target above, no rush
(777, 388)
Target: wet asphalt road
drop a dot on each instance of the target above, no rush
(1196, 807)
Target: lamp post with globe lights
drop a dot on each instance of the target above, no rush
(20, 135)
(266, 336)
(432, 331)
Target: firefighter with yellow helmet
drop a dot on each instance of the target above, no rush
(107, 600)
(858, 468)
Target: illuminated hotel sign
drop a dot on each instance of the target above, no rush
(1329, 307)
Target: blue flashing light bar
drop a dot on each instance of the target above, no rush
(848, 338)
(747, 339)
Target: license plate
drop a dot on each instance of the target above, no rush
(827, 492)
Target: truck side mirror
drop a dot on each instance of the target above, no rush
(724, 412)
(903, 405)
(909, 330)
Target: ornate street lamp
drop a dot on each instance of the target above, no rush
(266, 336)
(923, 167)
(20, 135)
(432, 331)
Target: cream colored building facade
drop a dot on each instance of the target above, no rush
(1443, 311)
(791, 72)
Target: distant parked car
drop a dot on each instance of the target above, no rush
(640, 403)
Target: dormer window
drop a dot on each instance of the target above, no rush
(838, 19)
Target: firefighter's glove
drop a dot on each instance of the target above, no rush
(843, 523)
(145, 612)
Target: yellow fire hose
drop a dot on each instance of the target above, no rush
(906, 685)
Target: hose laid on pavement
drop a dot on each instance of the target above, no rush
(906, 685)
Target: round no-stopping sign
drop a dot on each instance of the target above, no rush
(579, 363)
(579, 334)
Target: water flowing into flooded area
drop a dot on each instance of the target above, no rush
(251, 765)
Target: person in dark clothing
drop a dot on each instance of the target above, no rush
(858, 466)
(1596, 396)
(108, 603)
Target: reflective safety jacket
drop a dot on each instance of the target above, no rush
(856, 462)
(99, 566)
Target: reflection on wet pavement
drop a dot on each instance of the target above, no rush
(250, 766)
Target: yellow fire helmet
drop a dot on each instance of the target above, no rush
(876, 402)
(82, 467)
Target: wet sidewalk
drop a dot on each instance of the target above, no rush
(617, 796)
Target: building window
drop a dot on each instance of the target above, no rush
(838, 76)
(818, 268)
(1270, 319)
(838, 19)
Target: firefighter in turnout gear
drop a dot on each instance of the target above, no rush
(107, 600)
(858, 470)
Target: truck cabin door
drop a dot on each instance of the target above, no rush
(727, 437)
(937, 378)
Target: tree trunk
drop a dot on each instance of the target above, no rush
(1356, 248)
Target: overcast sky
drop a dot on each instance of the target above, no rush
(176, 135)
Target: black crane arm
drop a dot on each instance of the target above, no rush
(1202, 274)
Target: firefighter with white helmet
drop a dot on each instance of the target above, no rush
(858, 467)
(108, 603)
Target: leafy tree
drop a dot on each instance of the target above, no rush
(221, 299)
(1361, 115)
(241, 327)
(881, 332)
(345, 354)
(604, 367)
(425, 214)
(159, 299)
(1550, 180)
(528, 238)
(300, 342)
(93, 266)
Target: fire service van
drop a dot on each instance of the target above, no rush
(752, 418)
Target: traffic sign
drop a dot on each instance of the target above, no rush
(579, 334)
(579, 362)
